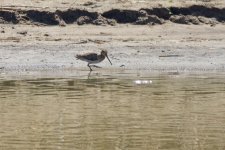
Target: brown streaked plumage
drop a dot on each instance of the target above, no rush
(93, 58)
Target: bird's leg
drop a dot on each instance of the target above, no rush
(89, 67)
(89, 74)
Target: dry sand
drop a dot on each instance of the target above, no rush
(162, 48)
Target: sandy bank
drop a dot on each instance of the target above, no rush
(177, 36)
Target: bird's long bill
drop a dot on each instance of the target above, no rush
(109, 59)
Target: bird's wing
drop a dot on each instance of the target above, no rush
(88, 56)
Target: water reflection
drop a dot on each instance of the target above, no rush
(105, 112)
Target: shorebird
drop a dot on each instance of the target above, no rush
(93, 58)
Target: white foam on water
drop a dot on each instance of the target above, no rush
(143, 81)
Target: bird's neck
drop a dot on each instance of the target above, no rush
(101, 57)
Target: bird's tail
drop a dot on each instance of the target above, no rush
(77, 56)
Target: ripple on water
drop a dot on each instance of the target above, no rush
(105, 112)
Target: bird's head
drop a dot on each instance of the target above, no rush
(105, 53)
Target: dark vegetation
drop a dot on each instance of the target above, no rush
(195, 14)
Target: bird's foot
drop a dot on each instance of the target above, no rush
(96, 66)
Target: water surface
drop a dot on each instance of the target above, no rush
(113, 112)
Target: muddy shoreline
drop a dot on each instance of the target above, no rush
(195, 14)
(159, 38)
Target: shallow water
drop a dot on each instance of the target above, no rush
(113, 112)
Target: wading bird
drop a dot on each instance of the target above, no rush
(93, 58)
